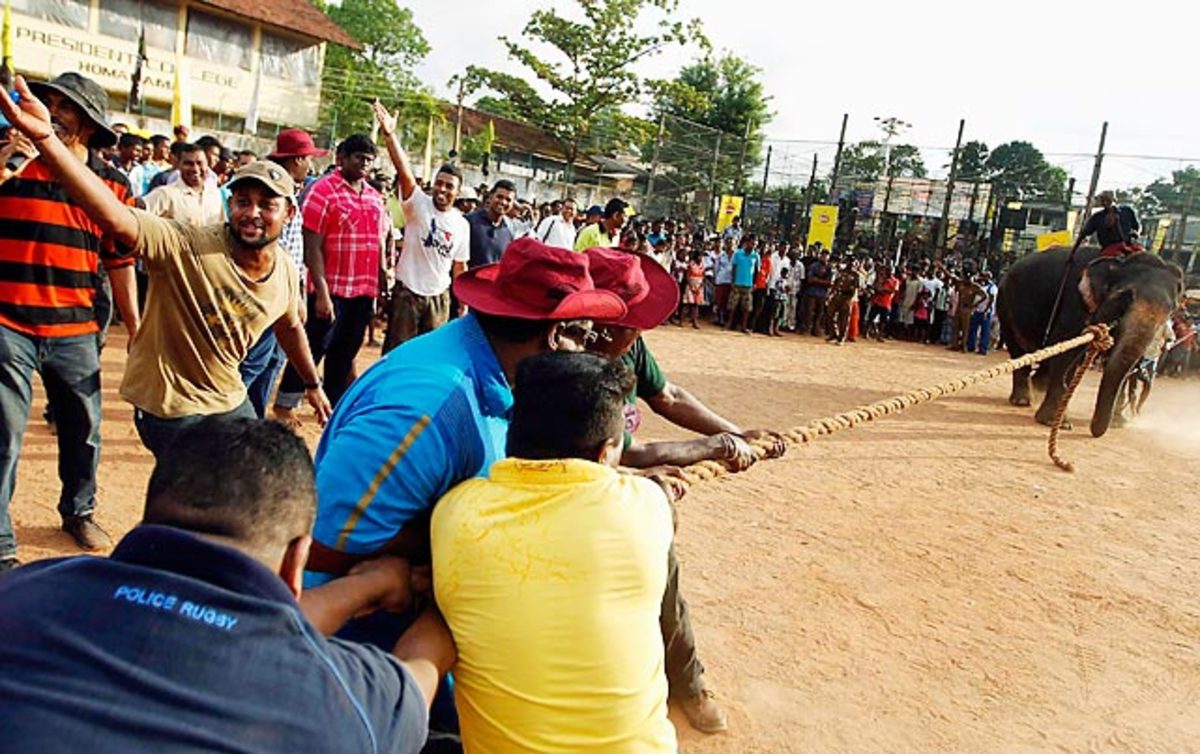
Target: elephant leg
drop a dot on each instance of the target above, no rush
(1055, 370)
(1020, 390)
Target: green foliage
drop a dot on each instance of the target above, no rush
(1181, 193)
(864, 161)
(392, 46)
(499, 106)
(972, 161)
(724, 94)
(1018, 166)
(589, 68)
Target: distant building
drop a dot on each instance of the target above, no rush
(223, 45)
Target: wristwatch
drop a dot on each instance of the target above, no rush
(313, 385)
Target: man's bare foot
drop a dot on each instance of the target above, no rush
(288, 417)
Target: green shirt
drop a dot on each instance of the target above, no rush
(650, 382)
(594, 236)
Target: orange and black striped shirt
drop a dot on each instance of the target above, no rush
(50, 252)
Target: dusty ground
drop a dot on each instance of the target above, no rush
(927, 583)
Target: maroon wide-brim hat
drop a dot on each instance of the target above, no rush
(536, 281)
(649, 292)
(294, 142)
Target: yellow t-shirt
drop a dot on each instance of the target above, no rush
(551, 577)
(593, 236)
(202, 317)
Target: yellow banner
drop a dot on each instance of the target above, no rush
(731, 207)
(823, 225)
(1050, 240)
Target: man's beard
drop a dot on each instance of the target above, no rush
(261, 243)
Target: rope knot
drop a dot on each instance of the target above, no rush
(1102, 339)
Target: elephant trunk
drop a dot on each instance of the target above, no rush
(1139, 327)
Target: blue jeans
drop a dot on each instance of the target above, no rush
(70, 370)
(158, 433)
(981, 326)
(260, 369)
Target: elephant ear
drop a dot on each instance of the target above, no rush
(1097, 280)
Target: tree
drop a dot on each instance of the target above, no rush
(392, 46)
(1019, 167)
(499, 106)
(1181, 193)
(972, 161)
(588, 65)
(723, 94)
(864, 162)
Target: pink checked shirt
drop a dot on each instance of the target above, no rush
(353, 227)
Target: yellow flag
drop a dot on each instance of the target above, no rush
(181, 102)
(1052, 240)
(6, 46)
(731, 207)
(823, 225)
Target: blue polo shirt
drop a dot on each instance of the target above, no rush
(432, 413)
(744, 267)
(488, 241)
(177, 644)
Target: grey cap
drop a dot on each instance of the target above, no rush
(88, 96)
(267, 173)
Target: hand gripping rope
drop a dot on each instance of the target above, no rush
(1096, 337)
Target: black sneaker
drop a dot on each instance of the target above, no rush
(87, 533)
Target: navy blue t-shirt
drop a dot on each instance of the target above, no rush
(178, 644)
(488, 241)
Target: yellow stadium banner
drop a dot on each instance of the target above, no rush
(731, 207)
(823, 225)
(1050, 240)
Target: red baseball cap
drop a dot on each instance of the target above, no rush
(536, 281)
(294, 142)
(649, 292)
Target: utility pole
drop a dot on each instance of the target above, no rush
(1087, 207)
(1181, 236)
(767, 170)
(941, 235)
(712, 182)
(458, 118)
(1070, 196)
(662, 124)
(837, 158)
(812, 185)
(737, 183)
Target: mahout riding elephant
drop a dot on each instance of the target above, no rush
(1134, 295)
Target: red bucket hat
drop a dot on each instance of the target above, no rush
(536, 281)
(649, 291)
(293, 142)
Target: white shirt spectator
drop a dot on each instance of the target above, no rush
(557, 232)
(433, 241)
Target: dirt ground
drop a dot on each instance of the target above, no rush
(926, 583)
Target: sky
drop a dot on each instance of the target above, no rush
(1048, 72)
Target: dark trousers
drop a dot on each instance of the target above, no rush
(337, 342)
(980, 331)
(70, 370)
(158, 433)
(759, 297)
(259, 370)
(685, 673)
(812, 313)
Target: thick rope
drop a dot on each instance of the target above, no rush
(1102, 342)
(1096, 335)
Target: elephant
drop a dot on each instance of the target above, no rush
(1134, 295)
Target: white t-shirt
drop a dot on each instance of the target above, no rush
(557, 232)
(433, 242)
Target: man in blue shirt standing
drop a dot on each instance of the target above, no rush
(745, 264)
(194, 635)
(491, 230)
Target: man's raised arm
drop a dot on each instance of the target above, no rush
(33, 119)
(405, 181)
